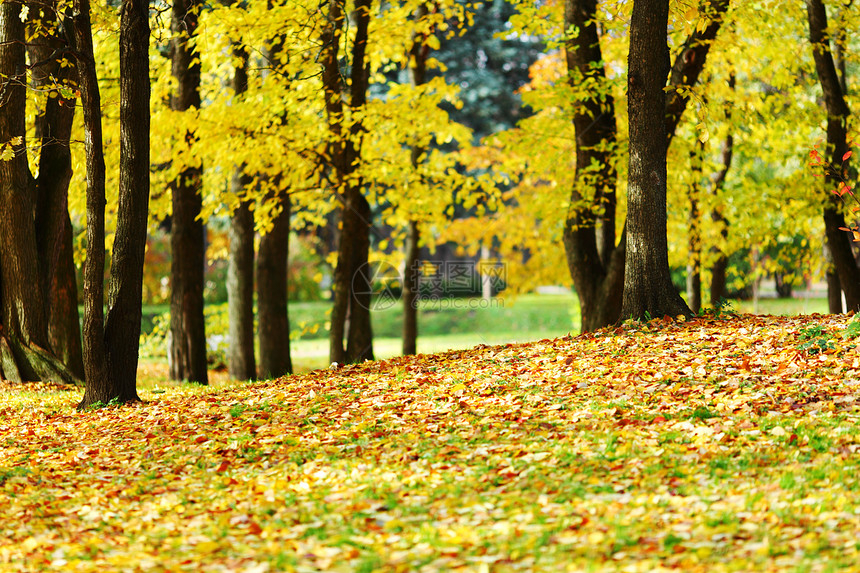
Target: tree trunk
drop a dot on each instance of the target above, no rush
(596, 265)
(719, 292)
(332, 91)
(418, 75)
(411, 281)
(359, 337)
(187, 239)
(240, 272)
(694, 236)
(25, 353)
(274, 320)
(648, 289)
(95, 363)
(837, 118)
(57, 273)
(834, 289)
(351, 282)
(122, 324)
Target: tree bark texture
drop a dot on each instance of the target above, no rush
(122, 324)
(96, 370)
(240, 270)
(187, 239)
(648, 289)
(351, 282)
(411, 278)
(57, 273)
(272, 303)
(837, 118)
(596, 264)
(25, 352)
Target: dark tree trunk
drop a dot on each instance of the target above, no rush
(418, 72)
(240, 272)
(187, 238)
(648, 289)
(694, 262)
(95, 363)
(25, 352)
(122, 324)
(351, 283)
(694, 232)
(240, 287)
(274, 320)
(783, 289)
(411, 280)
(359, 336)
(834, 289)
(837, 118)
(57, 273)
(332, 91)
(596, 265)
(719, 292)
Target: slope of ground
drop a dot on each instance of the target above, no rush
(717, 444)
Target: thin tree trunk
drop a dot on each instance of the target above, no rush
(596, 265)
(274, 320)
(332, 88)
(837, 118)
(648, 289)
(719, 292)
(187, 240)
(122, 324)
(694, 233)
(411, 281)
(351, 284)
(690, 62)
(240, 271)
(95, 363)
(418, 75)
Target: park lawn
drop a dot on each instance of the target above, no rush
(715, 444)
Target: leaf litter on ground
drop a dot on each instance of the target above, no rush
(711, 444)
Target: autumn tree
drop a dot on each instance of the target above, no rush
(122, 323)
(351, 287)
(648, 288)
(26, 352)
(53, 73)
(240, 271)
(187, 240)
(838, 113)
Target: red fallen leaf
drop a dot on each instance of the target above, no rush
(658, 419)
(149, 436)
(200, 439)
(792, 440)
(254, 528)
(223, 467)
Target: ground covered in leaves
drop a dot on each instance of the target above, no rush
(714, 444)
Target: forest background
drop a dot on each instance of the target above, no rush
(419, 131)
